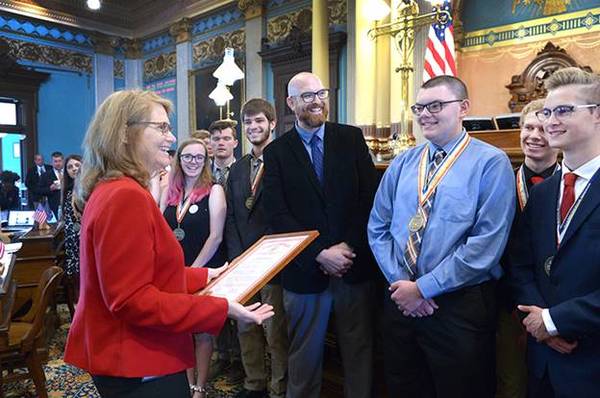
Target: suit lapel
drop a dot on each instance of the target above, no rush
(299, 151)
(549, 197)
(329, 148)
(590, 201)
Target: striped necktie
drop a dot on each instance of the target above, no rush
(317, 156)
(413, 245)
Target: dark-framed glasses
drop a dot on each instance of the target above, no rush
(432, 107)
(310, 96)
(561, 112)
(164, 127)
(188, 158)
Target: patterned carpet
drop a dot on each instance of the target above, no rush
(63, 380)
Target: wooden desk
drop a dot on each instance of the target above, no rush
(40, 251)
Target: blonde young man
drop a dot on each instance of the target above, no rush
(555, 262)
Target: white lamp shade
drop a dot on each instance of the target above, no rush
(376, 10)
(228, 72)
(93, 4)
(220, 94)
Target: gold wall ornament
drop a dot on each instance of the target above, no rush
(338, 12)
(212, 49)
(251, 8)
(22, 50)
(181, 30)
(549, 7)
(133, 48)
(104, 44)
(119, 69)
(279, 28)
(160, 66)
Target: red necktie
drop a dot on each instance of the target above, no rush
(568, 196)
(536, 179)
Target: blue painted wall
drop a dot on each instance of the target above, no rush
(166, 88)
(66, 103)
(479, 15)
(9, 161)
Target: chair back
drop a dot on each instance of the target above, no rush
(41, 299)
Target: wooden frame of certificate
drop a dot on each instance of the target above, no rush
(249, 272)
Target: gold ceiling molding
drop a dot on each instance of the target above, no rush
(104, 44)
(133, 48)
(160, 66)
(213, 48)
(119, 69)
(251, 8)
(48, 55)
(278, 28)
(181, 30)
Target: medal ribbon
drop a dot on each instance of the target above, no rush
(522, 192)
(257, 178)
(425, 192)
(181, 211)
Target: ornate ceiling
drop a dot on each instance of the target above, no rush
(128, 18)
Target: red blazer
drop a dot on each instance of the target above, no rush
(135, 315)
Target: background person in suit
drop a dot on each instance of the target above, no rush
(32, 180)
(320, 175)
(223, 140)
(555, 263)
(51, 182)
(246, 223)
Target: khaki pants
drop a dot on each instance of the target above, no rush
(256, 340)
(511, 362)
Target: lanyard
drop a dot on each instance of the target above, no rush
(257, 178)
(522, 192)
(182, 209)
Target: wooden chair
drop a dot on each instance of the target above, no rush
(26, 335)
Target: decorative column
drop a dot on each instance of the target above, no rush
(382, 99)
(182, 33)
(104, 82)
(253, 12)
(134, 71)
(320, 40)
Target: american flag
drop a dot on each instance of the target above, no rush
(439, 55)
(40, 215)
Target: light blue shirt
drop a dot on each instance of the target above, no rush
(468, 225)
(306, 136)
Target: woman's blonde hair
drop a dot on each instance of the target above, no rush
(202, 184)
(110, 144)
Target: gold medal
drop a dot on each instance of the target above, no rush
(548, 265)
(179, 234)
(416, 222)
(250, 202)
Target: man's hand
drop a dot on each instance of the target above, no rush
(406, 295)
(561, 345)
(426, 308)
(336, 260)
(533, 322)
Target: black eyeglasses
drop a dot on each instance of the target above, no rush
(561, 112)
(188, 158)
(164, 127)
(432, 107)
(310, 96)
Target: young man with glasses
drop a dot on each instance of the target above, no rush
(438, 228)
(223, 140)
(246, 223)
(554, 258)
(320, 176)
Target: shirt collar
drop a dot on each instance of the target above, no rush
(254, 157)
(306, 136)
(585, 171)
(448, 147)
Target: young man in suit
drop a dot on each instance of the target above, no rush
(320, 176)
(539, 164)
(245, 224)
(32, 180)
(223, 141)
(438, 228)
(555, 266)
(51, 183)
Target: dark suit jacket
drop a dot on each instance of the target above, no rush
(571, 289)
(44, 189)
(243, 226)
(295, 201)
(32, 182)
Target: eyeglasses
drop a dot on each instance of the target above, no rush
(561, 112)
(188, 158)
(164, 127)
(432, 107)
(309, 96)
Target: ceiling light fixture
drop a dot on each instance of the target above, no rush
(93, 4)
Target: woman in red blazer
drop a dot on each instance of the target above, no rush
(136, 313)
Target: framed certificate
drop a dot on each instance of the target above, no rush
(249, 272)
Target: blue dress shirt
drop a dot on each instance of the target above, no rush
(306, 136)
(468, 225)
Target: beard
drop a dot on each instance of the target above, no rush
(313, 120)
(259, 139)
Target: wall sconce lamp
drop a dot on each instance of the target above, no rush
(227, 74)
